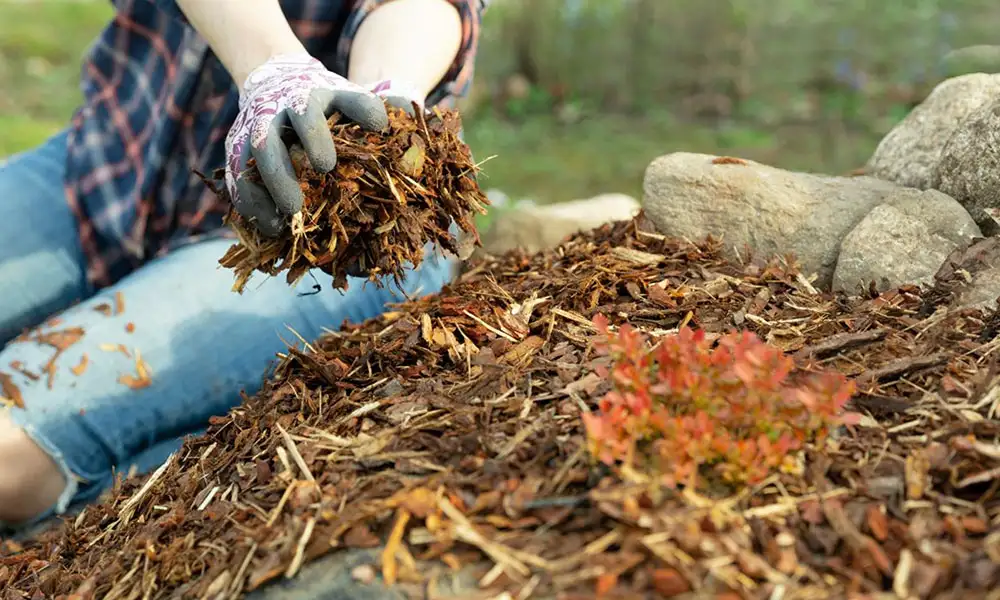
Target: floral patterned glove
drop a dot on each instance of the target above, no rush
(289, 90)
(400, 94)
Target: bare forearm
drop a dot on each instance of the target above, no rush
(243, 33)
(413, 40)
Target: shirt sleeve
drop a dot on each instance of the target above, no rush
(167, 6)
(458, 79)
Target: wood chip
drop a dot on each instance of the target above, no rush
(9, 391)
(446, 436)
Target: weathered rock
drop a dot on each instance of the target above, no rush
(771, 210)
(902, 241)
(969, 169)
(970, 277)
(982, 291)
(498, 199)
(909, 154)
(329, 578)
(334, 577)
(534, 228)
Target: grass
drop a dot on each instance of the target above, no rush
(541, 159)
(42, 42)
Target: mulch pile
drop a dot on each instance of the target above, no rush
(449, 431)
(391, 194)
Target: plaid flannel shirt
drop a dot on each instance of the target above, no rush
(157, 107)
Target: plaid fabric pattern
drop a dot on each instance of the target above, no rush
(157, 107)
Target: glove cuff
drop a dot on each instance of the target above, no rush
(397, 88)
(278, 65)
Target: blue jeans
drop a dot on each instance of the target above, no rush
(203, 343)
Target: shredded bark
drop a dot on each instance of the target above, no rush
(59, 340)
(80, 367)
(18, 367)
(9, 391)
(390, 196)
(448, 433)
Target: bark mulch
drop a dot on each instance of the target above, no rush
(449, 433)
(391, 194)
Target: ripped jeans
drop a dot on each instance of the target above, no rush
(201, 343)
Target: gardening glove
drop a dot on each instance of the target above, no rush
(398, 93)
(289, 90)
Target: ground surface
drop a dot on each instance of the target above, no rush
(446, 437)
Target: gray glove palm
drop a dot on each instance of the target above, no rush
(297, 91)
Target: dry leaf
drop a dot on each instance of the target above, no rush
(878, 523)
(729, 160)
(670, 583)
(81, 366)
(412, 162)
(9, 391)
(421, 502)
(134, 383)
(143, 376)
(605, 583)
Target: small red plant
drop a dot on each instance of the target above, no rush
(685, 409)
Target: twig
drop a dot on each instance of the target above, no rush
(840, 342)
(294, 451)
(902, 366)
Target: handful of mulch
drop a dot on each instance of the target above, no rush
(390, 195)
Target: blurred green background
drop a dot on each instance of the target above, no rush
(575, 97)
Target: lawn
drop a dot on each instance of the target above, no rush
(41, 44)
(40, 48)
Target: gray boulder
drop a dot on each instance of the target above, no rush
(902, 241)
(539, 227)
(910, 152)
(772, 211)
(969, 167)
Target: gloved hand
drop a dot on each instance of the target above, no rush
(397, 93)
(289, 90)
